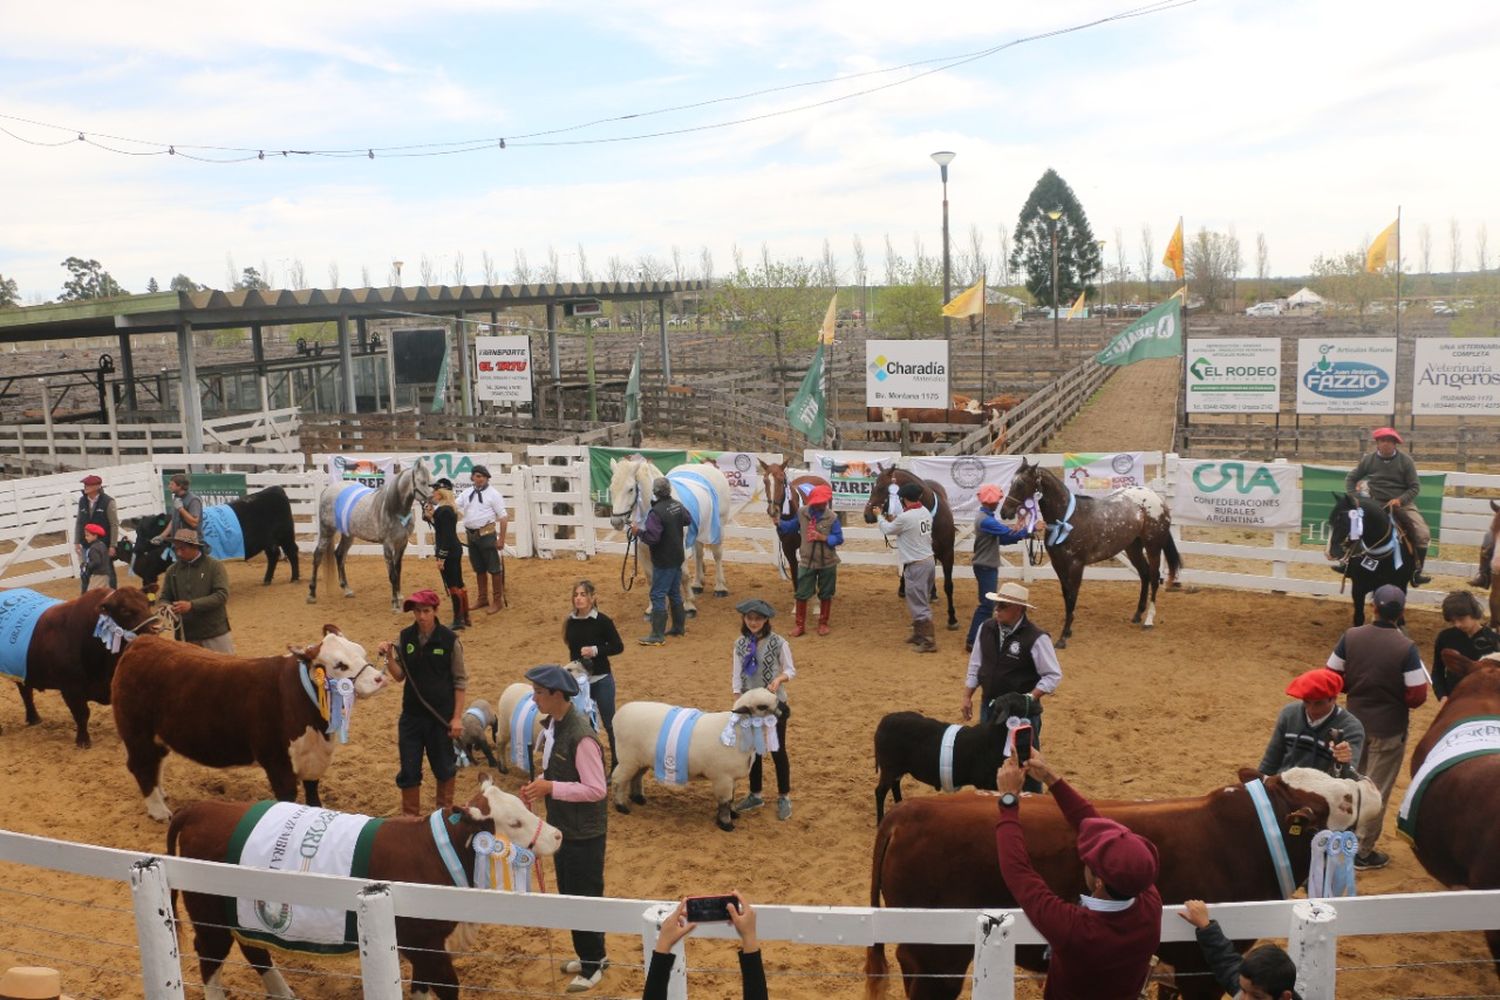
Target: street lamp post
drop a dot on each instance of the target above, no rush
(942, 158)
(1054, 215)
(1102, 279)
(397, 265)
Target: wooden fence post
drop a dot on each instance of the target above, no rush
(1313, 945)
(47, 419)
(654, 917)
(156, 931)
(114, 426)
(995, 956)
(379, 964)
(905, 437)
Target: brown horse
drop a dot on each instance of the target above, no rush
(1494, 563)
(1083, 530)
(782, 503)
(1457, 834)
(935, 499)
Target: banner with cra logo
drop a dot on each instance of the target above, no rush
(906, 373)
(1237, 494)
(1346, 375)
(372, 470)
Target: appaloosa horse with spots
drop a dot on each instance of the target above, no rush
(1083, 530)
(935, 499)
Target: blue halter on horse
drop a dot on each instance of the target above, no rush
(1363, 534)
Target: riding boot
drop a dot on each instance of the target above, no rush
(455, 595)
(801, 627)
(445, 793)
(1486, 555)
(411, 801)
(926, 637)
(658, 627)
(463, 598)
(1420, 560)
(679, 620)
(498, 579)
(825, 608)
(916, 633)
(484, 592)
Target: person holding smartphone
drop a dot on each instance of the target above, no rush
(678, 926)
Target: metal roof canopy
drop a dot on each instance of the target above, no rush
(182, 312)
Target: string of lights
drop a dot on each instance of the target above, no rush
(201, 152)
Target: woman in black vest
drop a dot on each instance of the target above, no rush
(430, 656)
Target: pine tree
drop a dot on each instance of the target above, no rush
(1077, 254)
(152, 286)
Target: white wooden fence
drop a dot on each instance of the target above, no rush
(1312, 927)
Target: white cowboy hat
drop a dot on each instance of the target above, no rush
(1010, 593)
(28, 982)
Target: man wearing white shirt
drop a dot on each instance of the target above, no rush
(485, 520)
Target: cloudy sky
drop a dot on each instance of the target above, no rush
(1308, 122)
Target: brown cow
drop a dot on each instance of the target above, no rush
(403, 851)
(65, 657)
(939, 851)
(1457, 835)
(223, 711)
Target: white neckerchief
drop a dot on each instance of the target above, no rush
(1105, 905)
(593, 613)
(1324, 719)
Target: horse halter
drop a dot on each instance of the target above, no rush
(635, 504)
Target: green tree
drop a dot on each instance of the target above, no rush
(152, 286)
(776, 301)
(1342, 278)
(88, 280)
(10, 293)
(1077, 253)
(182, 283)
(911, 304)
(250, 279)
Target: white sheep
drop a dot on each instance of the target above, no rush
(638, 730)
(505, 711)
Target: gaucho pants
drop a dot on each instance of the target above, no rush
(918, 577)
(579, 865)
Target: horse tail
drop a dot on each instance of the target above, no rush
(1174, 558)
(876, 969)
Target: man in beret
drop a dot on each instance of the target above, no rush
(430, 656)
(196, 586)
(1390, 476)
(486, 521)
(912, 529)
(1101, 947)
(1314, 731)
(663, 533)
(1385, 679)
(818, 527)
(573, 786)
(97, 507)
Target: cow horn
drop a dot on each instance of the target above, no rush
(332, 629)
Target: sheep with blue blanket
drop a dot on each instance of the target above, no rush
(683, 743)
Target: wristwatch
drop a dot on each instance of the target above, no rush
(1010, 800)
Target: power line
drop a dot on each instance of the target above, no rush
(543, 138)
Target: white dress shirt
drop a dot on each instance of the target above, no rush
(479, 509)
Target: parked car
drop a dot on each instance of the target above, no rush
(1444, 311)
(1264, 309)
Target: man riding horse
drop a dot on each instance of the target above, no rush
(1390, 476)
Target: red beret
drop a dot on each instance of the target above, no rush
(1316, 685)
(421, 599)
(820, 494)
(95, 529)
(92, 481)
(1124, 861)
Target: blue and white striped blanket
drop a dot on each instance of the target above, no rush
(698, 496)
(672, 745)
(344, 504)
(522, 732)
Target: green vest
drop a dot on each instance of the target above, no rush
(576, 820)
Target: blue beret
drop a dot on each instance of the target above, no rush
(553, 678)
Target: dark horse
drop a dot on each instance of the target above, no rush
(782, 502)
(935, 499)
(1083, 530)
(1374, 552)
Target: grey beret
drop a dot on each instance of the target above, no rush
(756, 606)
(553, 678)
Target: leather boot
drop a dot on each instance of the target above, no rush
(484, 592)
(411, 801)
(445, 793)
(801, 627)
(463, 599)
(1417, 576)
(458, 608)
(926, 641)
(825, 608)
(498, 579)
(916, 634)
(658, 627)
(679, 620)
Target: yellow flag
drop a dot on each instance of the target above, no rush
(1173, 256)
(969, 302)
(1077, 307)
(830, 321)
(1181, 293)
(1387, 247)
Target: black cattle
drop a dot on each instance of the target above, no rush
(265, 521)
(910, 743)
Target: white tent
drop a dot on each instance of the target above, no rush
(1305, 298)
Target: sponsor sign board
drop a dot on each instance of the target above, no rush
(210, 487)
(1456, 376)
(1234, 376)
(852, 474)
(372, 470)
(1094, 474)
(906, 373)
(1346, 375)
(1237, 494)
(502, 369)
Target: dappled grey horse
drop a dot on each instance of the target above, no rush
(351, 510)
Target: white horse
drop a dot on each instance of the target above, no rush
(352, 511)
(700, 488)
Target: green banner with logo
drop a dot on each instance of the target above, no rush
(1321, 482)
(1158, 334)
(600, 472)
(808, 410)
(210, 487)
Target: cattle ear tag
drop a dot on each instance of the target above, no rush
(1295, 830)
(453, 818)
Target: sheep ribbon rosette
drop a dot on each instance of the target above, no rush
(747, 735)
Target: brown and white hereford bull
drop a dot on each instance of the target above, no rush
(64, 655)
(1457, 819)
(227, 711)
(402, 851)
(939, 852)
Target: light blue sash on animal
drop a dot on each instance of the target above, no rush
(689, 499)
(220, 529)
(945, 758)
(672, 745)
(585, 703)
(344, 504)
(522, 728)
(445, 849)
(1331, 873)
(1272, 833)
(19, 611)
(1059, 530)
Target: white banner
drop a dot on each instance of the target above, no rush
(962, 475)
(502, 369)
(1238, 494)
(1234, 376)
(1346, 375)
(1456, 376)
(1092, 474)
(742, 470)
(851, 473)
(371, 470)
(906, 373)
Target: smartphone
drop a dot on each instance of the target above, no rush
(1023, 745)
(708, 909)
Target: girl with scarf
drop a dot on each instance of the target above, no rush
(763, 659)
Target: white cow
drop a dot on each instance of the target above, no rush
(638, 734)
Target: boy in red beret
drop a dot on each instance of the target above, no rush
(95, 557)
(1314, 731)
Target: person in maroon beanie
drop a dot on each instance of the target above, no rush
(1101, 947)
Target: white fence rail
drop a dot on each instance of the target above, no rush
(1312, 926)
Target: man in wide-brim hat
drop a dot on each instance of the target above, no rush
(196, 586)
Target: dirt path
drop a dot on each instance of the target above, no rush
(1134, 411)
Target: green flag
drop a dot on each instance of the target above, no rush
(438, 396)
(1158, 334)
(633, 390)
(807, 411)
